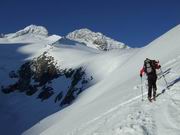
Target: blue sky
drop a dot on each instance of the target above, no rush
(134, 22)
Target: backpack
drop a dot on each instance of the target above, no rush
(150, 66)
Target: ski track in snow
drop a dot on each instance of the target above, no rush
(147, 118)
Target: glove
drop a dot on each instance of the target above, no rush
(140, 75)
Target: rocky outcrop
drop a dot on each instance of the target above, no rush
(38, 75)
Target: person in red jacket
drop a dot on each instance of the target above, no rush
(149, 69)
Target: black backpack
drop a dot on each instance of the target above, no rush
(150, 66)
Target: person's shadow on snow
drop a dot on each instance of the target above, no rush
(168, 87)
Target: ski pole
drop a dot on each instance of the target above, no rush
(164, 77)
(141, 89)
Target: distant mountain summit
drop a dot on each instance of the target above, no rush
(86, 37)
(95, 39)
(31, 29)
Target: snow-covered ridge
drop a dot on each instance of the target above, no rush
(31, 29)
(95, 39)
(110, 105)
(34, 33)
(114, 107)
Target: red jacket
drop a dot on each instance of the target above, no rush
(157, 66)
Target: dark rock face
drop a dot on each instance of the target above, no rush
(37, 76)
(71, 94)
(101, 44)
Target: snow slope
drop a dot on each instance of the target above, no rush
(114, 106)
(111, 105)
(19, 112)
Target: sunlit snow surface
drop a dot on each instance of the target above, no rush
(112, 105)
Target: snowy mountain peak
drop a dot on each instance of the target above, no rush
(84, 30)
(31, 29)
(39, 30)
(84, 34)
(95, 39)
